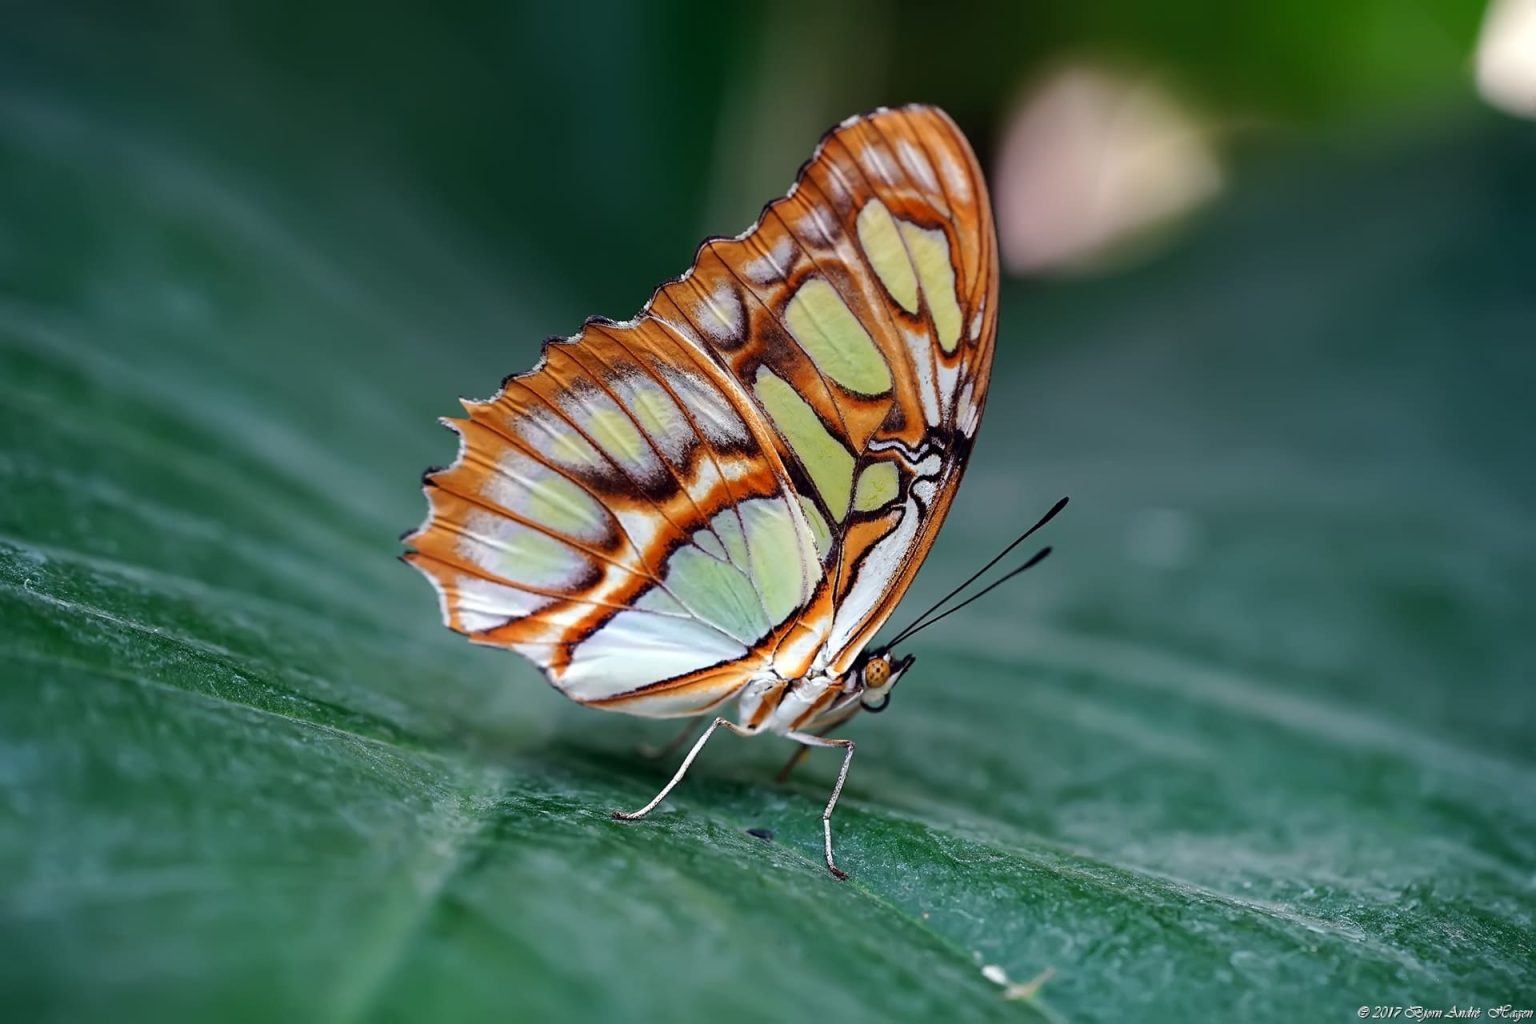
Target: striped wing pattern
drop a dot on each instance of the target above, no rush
(738, 485)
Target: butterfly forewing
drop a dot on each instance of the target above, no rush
(743, 479)
(856, 315)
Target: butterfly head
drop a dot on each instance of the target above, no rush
(878, 673)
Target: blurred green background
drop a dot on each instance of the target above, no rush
(1257, 741)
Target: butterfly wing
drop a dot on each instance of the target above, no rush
(744, 479)
(860, 315)
(619, 516)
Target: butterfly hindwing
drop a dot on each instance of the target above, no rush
(617, 517)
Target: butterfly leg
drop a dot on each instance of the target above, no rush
(799, 755)
(802, 752)
(809, 740)
(683, 768)
(652, 752)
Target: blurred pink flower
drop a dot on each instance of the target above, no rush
(1092, 158)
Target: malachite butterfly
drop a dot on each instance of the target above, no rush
(725, 497)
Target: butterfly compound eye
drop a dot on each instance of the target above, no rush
(877, 672)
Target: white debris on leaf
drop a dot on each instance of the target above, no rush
(1012, 990)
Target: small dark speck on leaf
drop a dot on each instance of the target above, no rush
(765, 834)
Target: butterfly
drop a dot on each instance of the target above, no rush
(725, 497)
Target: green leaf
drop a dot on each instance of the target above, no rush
(1257, 740)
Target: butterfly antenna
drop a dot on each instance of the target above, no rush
(1034, 560)
(918, 623)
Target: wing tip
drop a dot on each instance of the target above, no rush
(853, 121)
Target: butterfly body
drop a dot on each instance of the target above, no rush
(725, 497)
